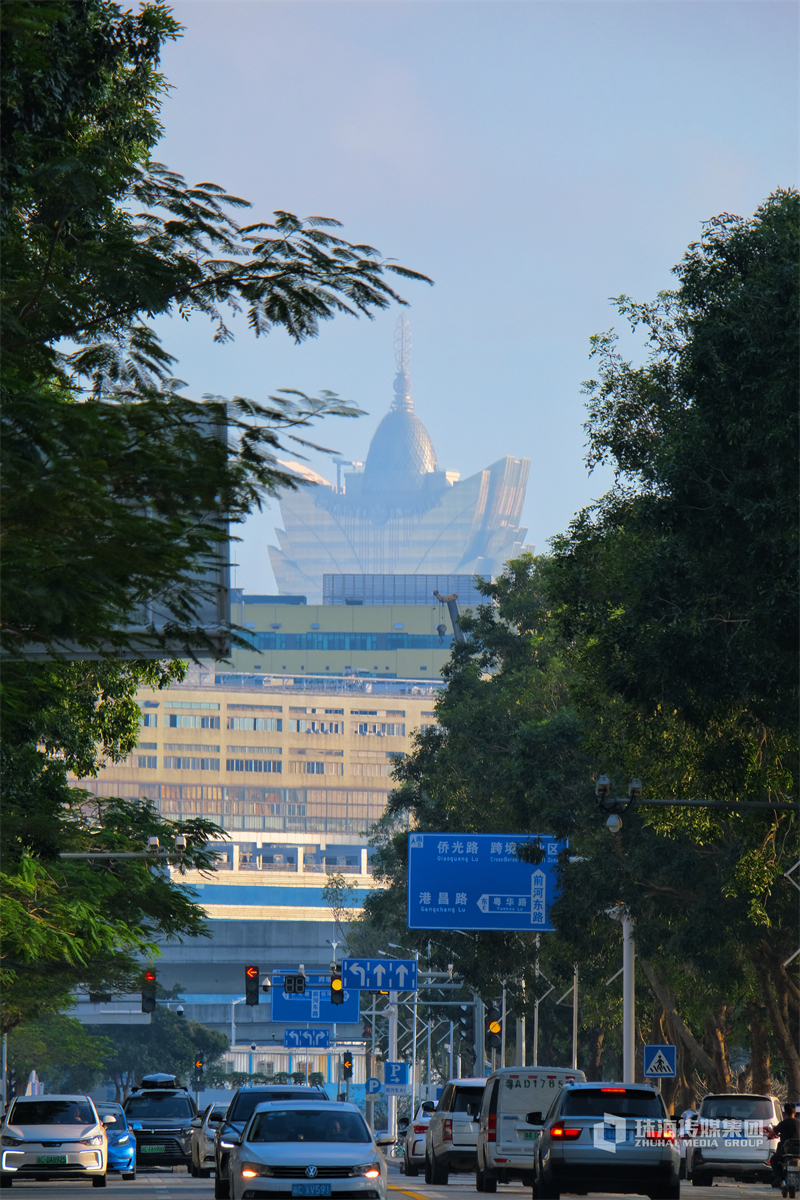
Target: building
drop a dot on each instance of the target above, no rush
(398, 513)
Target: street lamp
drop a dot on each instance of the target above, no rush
(614, 806)
(620, 913)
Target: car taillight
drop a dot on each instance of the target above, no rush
(491, 1127)
(560, 1130)
(447, 1131)
(622, 1090)
(420, 1128)
(662, 1135)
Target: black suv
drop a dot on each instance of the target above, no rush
(165, 1111)
(240, 1111)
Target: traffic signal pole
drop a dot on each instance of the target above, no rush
(391, 1101)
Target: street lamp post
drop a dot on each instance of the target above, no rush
(233, 1019)
(621, 914)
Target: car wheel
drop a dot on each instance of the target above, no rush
(129, 1174)
(428, 1174)
(489, 1182)
(439, 1175)
(479, 1180)
(98, 1181)
(5, 1181)
(412, 1171)
(702, 1179)
(221, 1186)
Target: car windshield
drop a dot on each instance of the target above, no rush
(245, 1104)
(595, 1102)
(308, 1125)
(52, 1112)
(736, 1108)
(464, 1097)
(153, 1105)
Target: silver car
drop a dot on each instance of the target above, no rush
(306, 1149)
(606, 1137)
(53, 1137)
(203, 1130)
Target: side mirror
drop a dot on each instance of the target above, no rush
(535, 1118)
(402, 1123)
(196, 1122)
(428, 1106)
(109, 1120)
(385, 1139)
(136, 1125)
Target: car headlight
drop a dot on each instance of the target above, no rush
(250, 1170)
(12, 1141)
(371, 1170)
(97, 1140)
(122, 1141)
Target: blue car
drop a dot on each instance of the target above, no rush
(121, 1139)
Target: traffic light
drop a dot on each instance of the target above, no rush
(251, 985)
(337, 988)
(466, 1025)
(294, 985)
(149, 991)
(494, 1028)
(347, 1066)
(198, 1066)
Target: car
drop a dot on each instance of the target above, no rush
(613, 1137)
(164, 1110)
(730, 1139)
(310, 1148)
(451, 1139)
(506, 1141)
(414, 1142)
(240, 1110)
(203, 1130)
(121, 1138)
(53, 1137)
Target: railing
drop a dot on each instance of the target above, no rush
(341, 684)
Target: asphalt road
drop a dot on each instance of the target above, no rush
(178, 1185)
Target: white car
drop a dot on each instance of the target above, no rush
(53, 1137)
(729, 1138)
(414, 1143)
(600, 1137)
(451, 1140)
(306, 1149)
(204, 1129)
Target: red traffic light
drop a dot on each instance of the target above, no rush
(251, 972)
(150, 976)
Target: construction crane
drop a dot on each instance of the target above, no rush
(452, 608)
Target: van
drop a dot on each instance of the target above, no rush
(506, 1142)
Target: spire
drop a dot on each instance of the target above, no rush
(402, 352)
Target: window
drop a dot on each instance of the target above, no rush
(316, 768)
(147, 745)
(379, 729)
(255, 708)
(187, 748)
(147, 762)
(261, 751)
(316, 726)
(190, 704)
(595, 1102)
(179, 721)
(336, 712)
(175, 763)
(150, 720)
(271, 724)
(255, 764)
(374, 769)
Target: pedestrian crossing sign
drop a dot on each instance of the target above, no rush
(659, 1061)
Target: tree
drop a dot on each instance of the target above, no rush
(65, 1056)
(676, 596)
(339, 894)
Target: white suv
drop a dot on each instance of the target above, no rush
(451, 1139)
(53, 1137)
(728, 1138)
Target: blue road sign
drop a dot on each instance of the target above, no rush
(374, 1087)
(380, 974)
(395, 1074)
(314, 1005)
(313, 1039)
(659, 1061)
(476, 881)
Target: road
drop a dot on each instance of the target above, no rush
(166, 1185)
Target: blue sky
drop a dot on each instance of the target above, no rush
(533, 158)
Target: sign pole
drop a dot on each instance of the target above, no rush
(414, 1049)
(575, 1019)
(391, 1101)
(628, 1001)
(503, 1030)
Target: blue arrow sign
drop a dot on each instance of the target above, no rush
(312, 1039)
(373, 1087)
(380, 974)
(659, 1062)
(395, 1074)
(314, 1006)
(476, 881)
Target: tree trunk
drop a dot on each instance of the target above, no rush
(760, 1057)
(780, 1029)
(721, 1077)
(594, 1067)
(667, 1001)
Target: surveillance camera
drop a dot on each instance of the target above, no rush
(179, 1010)
(614, 823)
(152, 843)
(266, 986)
(635, 789)
(334, 966)
(180, 842)
(252, 1045)
(602, 786)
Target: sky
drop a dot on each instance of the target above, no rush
(534, 159)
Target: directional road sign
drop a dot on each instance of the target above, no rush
(314, 1005)
(395, 1078)
(374, 1087)
(476, 881)
(659, 1061)
(313, 1039)
(380, 974)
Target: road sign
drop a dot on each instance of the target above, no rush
(314, 1005)
(380, 974)
(374, 1087)
(659, 1061)
(395, 1079)
(313, 1039)
(476, 881)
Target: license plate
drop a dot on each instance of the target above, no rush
(530, 1135)
(51, 1160)
(311, 1189)
(153, 1149)
(793, 1178)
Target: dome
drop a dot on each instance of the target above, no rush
(400, 454)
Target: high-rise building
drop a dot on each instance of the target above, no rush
(398, 513)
